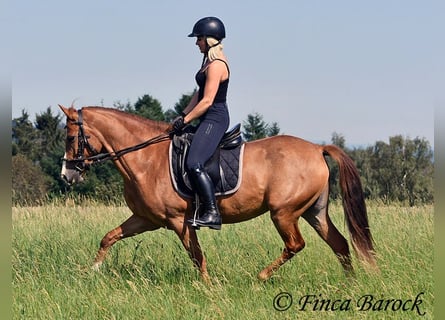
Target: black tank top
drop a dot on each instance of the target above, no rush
(221, 94)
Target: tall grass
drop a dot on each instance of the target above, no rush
(150, 276)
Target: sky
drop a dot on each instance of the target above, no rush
(367, 70)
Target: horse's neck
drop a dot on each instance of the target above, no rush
(120, 131)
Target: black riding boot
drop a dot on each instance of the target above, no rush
(209, 214)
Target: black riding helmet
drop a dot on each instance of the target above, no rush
(209, 27)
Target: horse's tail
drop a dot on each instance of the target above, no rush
(354, 205)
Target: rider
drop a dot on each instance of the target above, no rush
(208, 105)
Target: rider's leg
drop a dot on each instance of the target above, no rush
(209, 214)
(208, 135)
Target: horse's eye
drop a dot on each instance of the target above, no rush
(70, 138)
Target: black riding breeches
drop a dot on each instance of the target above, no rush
(213, 124)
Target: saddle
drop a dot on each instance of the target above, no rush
(224, 167)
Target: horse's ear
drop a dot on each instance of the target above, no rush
(64, 110)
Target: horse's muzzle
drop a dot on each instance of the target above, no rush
(71, 176)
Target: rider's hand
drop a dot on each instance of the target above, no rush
(178, 125)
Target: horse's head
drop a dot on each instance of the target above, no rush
(80, 145)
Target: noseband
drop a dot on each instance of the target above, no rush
(83, 143)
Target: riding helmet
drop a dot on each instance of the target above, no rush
(209, 27)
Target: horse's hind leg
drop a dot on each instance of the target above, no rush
(131, 227)
(317, 216)
(287, 226)
(189, 239)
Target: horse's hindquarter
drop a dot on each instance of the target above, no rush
(277, 172)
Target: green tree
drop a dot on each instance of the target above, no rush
(339, 140)
(273, 130)
(51, 142)
(403, 170)
(29, 184)
(169, 115)
(50, 131)
(50, 135)
(256, 128)
(148, 107)
(127, 107)
(184, 101)
(362, 159)
(179, 106)
(422, 185)
(418, 170)
(386, 164)
(23, 136)
(400, 171)
(103, 182)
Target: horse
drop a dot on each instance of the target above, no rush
(284, 175)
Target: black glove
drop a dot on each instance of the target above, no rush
(178, 125)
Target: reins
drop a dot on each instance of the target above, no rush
(116, 154)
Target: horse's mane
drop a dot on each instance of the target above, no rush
(152, 123)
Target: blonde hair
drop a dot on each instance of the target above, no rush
(216, 50)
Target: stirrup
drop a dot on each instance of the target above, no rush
(197, 225)
(195, 214)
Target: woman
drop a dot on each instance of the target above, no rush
(208, 105)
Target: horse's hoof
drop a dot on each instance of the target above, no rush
(96, 266)
(206, 278)
(263, 276)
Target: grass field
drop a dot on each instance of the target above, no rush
(151, 277)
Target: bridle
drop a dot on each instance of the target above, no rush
(82, 139)
(79, 162)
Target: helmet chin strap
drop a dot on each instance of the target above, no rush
(204, 58)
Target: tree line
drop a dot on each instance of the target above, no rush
(401, 170)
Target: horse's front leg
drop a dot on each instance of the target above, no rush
(131, 227)
(189, 239)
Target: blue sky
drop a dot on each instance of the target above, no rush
(365, 69)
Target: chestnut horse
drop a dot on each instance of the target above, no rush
(284, 175)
